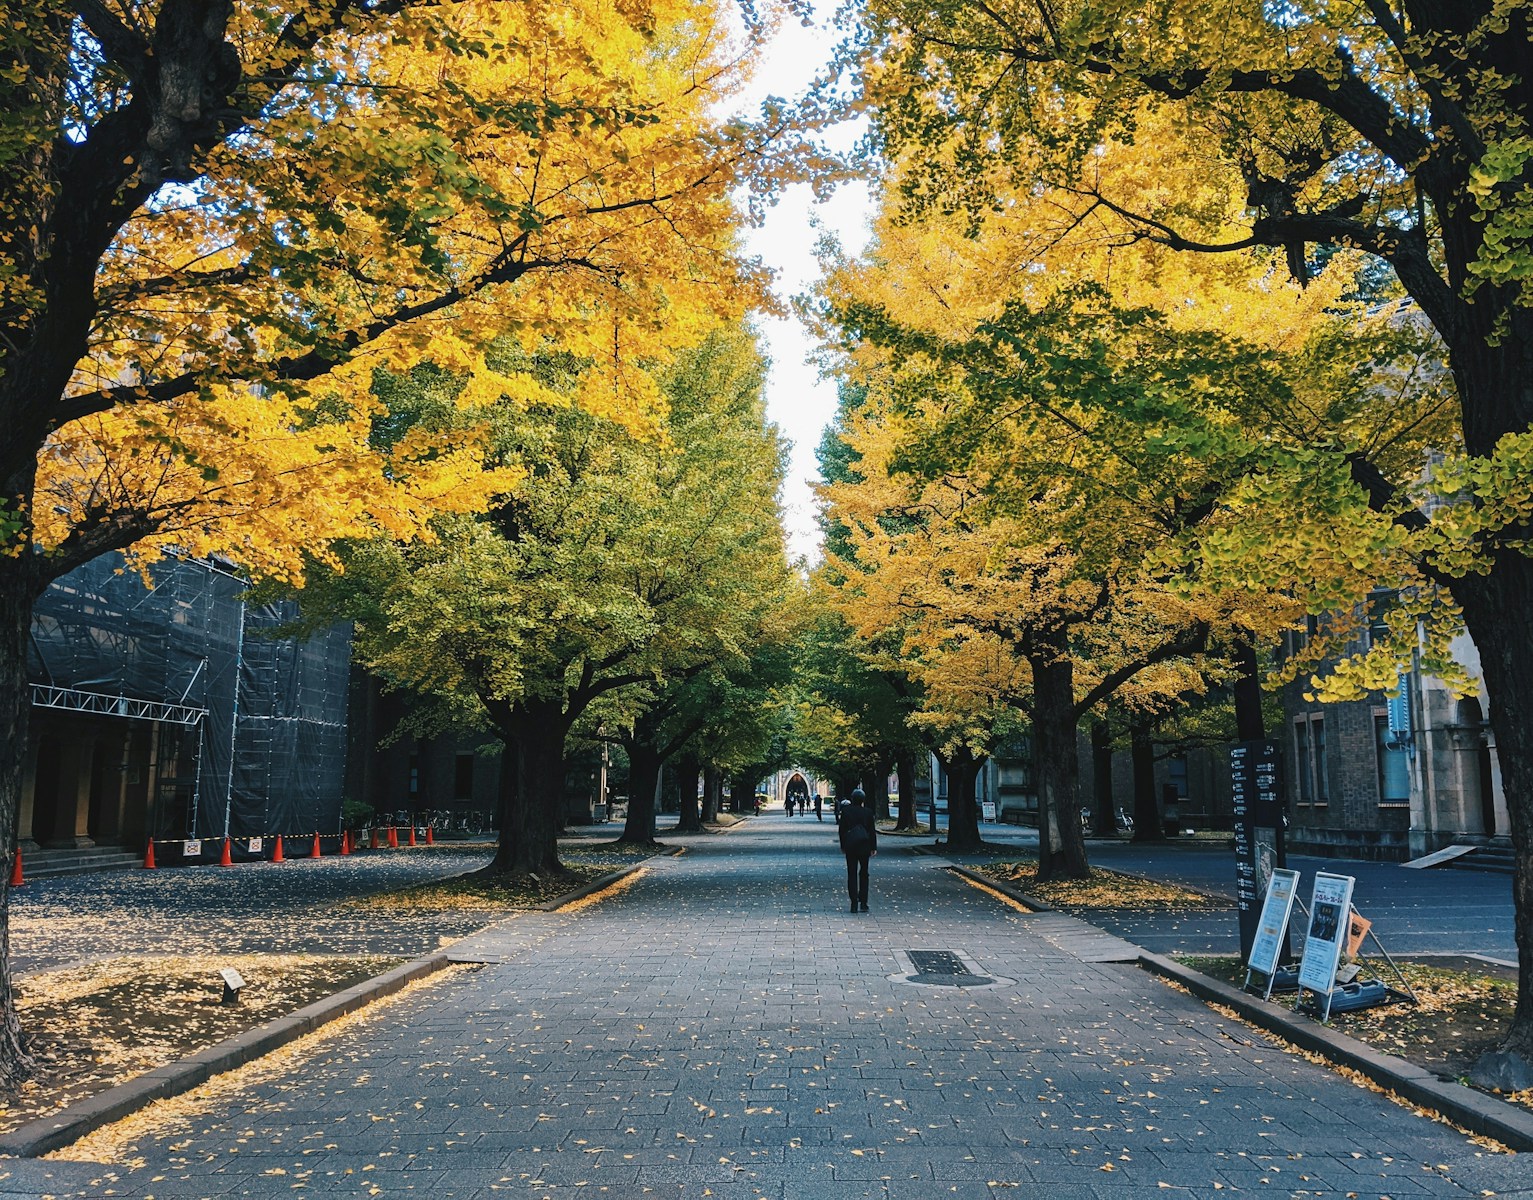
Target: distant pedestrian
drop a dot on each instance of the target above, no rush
(859, 842)
(818, 801)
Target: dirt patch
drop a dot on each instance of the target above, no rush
(1461, 1014)
(1103, 889)
(887, 829)
(92, 1026)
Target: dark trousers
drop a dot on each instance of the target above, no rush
(857, 877)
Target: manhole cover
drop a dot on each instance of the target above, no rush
(937, 962)
(944, 968)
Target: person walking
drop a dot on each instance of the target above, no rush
(859, 842)
(819, 800)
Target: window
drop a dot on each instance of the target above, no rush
(1303, 767)
(1176, 774)
(1393, 765)
(1317, 739)
(1310, 775)
(1379, 603)
(415, 775)
(463, 777)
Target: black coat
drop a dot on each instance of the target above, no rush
(857, 815)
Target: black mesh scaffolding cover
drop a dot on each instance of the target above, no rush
(272, 730)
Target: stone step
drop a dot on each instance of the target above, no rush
(1496, 858)
(49, 864)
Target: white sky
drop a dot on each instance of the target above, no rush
(798, 400)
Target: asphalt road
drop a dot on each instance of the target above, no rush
(1439, 910)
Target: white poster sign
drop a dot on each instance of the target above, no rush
(1272, 926)
(988, 807)
(192, 847)
(1329, 913)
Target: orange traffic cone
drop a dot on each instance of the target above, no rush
(16, 876)
(372, 838)
(430, 841)
(228, 859)
(345, 841)
(393, 838)
(412, 833)
(277, 855)
(149, 864)
(314, 853)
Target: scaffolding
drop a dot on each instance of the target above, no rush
(190, 650)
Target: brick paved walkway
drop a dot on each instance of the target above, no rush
(725, 1028)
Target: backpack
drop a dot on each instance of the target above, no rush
(855, 837)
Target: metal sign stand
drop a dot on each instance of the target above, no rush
(1272, 934)
(1330, 928)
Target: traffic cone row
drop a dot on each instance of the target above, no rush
(226, 858)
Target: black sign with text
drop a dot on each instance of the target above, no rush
(1256, 789)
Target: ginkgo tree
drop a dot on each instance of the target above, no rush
(1056, 421)
(1404, 131)
(613, 568)
(217, 220)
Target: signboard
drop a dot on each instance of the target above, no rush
(255, 845)
(988, 809)
(1255, 789)
(192, 847)
(1330, 911)
(1272, 927)
(1398, 708)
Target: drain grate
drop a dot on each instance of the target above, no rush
(936, 962)
(942, 968)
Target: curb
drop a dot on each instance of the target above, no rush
(604, 881)
(1031, 903)
(70, 1124)
(1475, 1111)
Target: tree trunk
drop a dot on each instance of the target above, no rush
(962, 767)
(1496, 608)
(532, 798)
(1106, 819)
(644, 765)
(905, 768)
(877, 788)
(1061, 846)
(1147, 814)
(15, 706)
(713, 787)
(742, 794)
(686, 798)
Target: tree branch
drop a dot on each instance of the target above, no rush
(1192, 640)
